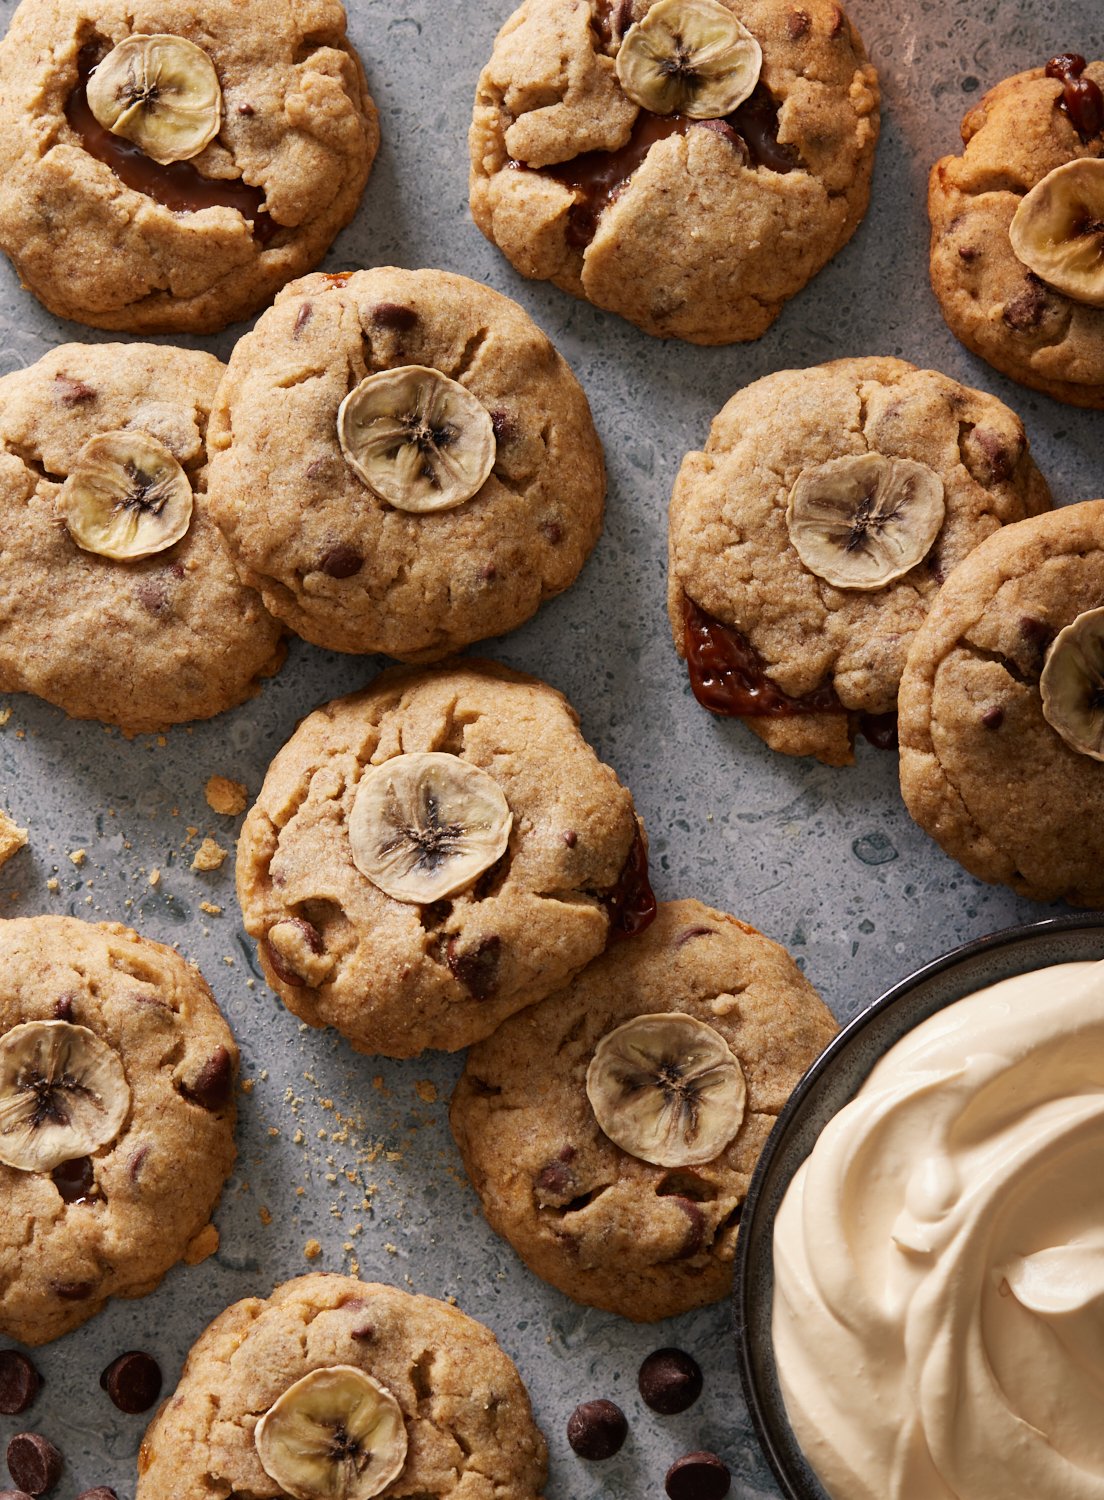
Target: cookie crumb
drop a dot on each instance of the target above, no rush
(209, 856)
(5, 715)
(53, 884)
(312, 1249)
(247, 1085)
(202, 1246)
(265, 1215)
(426, 1090)
(210, 908)
(226, 796)
(79, 856)
(154, 877)
(12, 838)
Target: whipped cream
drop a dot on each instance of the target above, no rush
(938, 1317)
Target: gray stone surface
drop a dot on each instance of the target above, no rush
(826, 861)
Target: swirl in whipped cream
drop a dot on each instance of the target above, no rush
(938, 1318)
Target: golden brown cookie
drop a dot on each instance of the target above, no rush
(117, 1112)
(601, 177)
(167, 166)
(403, 463)
(1025, 128)
(997, 757)
(801, 562)
(141, 641)
(647, 1236)
(425, 915)
(454, 1416)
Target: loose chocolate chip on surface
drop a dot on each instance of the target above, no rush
(698, 1476)
(74, 1179)
(20, 1382)
(213, 1083)
(597, 1429)
(670, 1381)
(133, 1381)
(34, 1463)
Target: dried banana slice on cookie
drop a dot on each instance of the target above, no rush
(689, 56)
(336, 1434)
(126, 497)
(1058, 230)
(63, 1094)
(1072, 684)
(159, 91)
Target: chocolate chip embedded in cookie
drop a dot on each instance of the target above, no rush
(118, 599)
(809, 539)
(403, 463)
(103, 1035)
(1016, 230)
(431, 855)
(168, 169)
(1002, 710)
(333, 1386)
(611, 1131)
(689, 164)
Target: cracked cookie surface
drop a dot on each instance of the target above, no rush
(124, 243)
(469, 1425)
(731, 557)
(342, 566)
(681, 233)
(112, 1223)
(606, 1228)
(999, 309)
(982, 771)
(142, 644)
(394, 976)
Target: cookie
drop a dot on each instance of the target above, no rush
(114, 1171)
(185, 208)
(484, 499)
(593, 168)
(143, 641)
(622, 1193)
(1002, 729)
(809, 540)
(997, 303)
(420, 905)
(454, 1416)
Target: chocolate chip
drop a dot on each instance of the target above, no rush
(20, 1382)
(727, 133)
(152, 594)
(597, 1429)
(797, 24)
(553, 531)
(213, 1084)
(313, 939)
(698, 1476)
(571, 838)
(555, 1183)
(968, 253)
(670, 1381)
(302, 318)
(72, 392)
(133, 1381)
(245, 109)
(34, 1463)
(364, 1334)
(342, 562)
(993, 717)
(73, 1179)
(695, 1229)
(503, 425)
(839, 20)
(1026, 311)
(101, 1492)
(476, 970)
(693, 932)
(63, 1009)
(137, 1162)
(73, 1291)
(391, 315)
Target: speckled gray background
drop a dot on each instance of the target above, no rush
(827, 861)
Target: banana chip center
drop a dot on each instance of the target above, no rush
(667, 1089)
(63, 1094)
(1072, 684)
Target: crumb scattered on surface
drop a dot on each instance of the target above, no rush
(79, 856)
(12, 838)
(312, 1249)
(204, 1245)
(209, 856)
(265, 1215)
(210, 908)
(426, 1090)
(154, 876)
(226, 796)
(5, 715)
(53, 884)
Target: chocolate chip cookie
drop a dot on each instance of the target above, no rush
(117, 1118)
(809, 539)
(1002, 710)
(429, 856)
(118, 599)
(611, 1132)
(689, 164)
(426, 1403)
(1016, 235)
(401, 462)
(167, 167)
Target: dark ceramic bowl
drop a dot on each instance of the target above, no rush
(833, 1079)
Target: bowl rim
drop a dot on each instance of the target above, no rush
(794, 1487)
